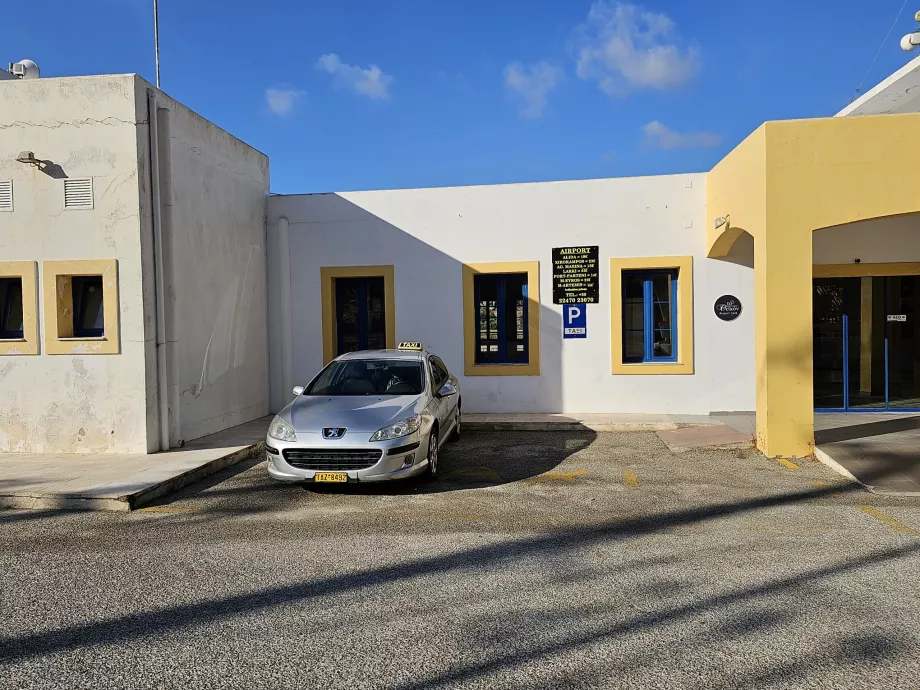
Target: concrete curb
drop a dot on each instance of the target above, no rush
(569, 426)
(826, 459)
(100, 500)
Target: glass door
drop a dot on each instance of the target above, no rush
(360, 314)
(866, 341)
(902, 294)
(866, 344)
(829, 346)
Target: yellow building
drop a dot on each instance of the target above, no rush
(835, 329)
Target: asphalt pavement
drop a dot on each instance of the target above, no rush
(540, 560)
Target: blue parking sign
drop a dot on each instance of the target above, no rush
(574, 321)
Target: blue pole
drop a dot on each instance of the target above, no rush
(886, 374)
(846, 363)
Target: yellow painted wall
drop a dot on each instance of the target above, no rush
(737, 187)
(813, 174)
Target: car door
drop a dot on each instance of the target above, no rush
(448, 404)
(438, 404)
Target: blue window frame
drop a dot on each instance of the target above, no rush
(649, 316)
(88, 307)
(501, 318)
(11, 319)
(360, 314)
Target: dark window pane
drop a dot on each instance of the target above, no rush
(346, 306)
(360, 312)
(661, 296)
(376, 315)
(88, 312)
(11, 321)
(501, 311)
(648, 311)
(633, 317)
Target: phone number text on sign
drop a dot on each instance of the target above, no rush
(575, 275)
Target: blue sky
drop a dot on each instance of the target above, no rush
(373, 94)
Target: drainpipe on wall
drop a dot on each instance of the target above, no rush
(284, 277)
(159, 281)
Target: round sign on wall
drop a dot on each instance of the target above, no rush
(728, 307)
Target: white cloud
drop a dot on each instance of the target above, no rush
(532, 83)
(281, 101)
(663, 137)
(371, 82)
(624, 46)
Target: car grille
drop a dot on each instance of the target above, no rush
(331, 459)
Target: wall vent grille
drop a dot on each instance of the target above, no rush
(78, 193)
(6, 195)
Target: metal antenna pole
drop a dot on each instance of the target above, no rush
(156, 38)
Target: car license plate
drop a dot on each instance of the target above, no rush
(330, 477)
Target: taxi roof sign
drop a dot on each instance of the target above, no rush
(410, 345)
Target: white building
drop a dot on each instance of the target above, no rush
(134, 198)
(140, 253)
(420, 242)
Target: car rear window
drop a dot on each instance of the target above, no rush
(369, 377)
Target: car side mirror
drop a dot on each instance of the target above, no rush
(298, 390)
(447, 390)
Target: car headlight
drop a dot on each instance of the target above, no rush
(281, 430)
(403, 427)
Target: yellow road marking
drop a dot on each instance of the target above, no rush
(630, 479)
(820, 485)
(557, 477)
(788, 464)
(888, 520)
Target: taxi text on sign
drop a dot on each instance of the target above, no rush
(574, 321)
(575, 275)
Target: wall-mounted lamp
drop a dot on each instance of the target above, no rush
(29, 158)
(721, 220)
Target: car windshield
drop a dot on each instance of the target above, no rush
(369, 377)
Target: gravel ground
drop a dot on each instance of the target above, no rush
(575, 560)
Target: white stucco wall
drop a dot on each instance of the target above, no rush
(85, 127)
(213, 194)
(881, 240)
(427, 234)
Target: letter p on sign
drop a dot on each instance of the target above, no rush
(574, 321)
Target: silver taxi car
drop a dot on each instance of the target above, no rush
(367, 416)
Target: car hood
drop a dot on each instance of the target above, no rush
(364, 413)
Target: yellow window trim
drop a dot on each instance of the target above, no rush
(58, 301)
(865, 270)
(532, 368)
(328, 274)
(684, 265)
(26, 272)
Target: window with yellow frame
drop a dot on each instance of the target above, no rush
(651, 309)
(18, 308)
(501, 318)
(81, 307)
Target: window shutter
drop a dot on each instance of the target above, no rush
(78, 193)
(6, 195)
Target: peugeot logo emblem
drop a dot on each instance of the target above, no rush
(333, 433)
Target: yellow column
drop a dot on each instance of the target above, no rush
(783, 341)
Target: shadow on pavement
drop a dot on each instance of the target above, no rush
(126, 628)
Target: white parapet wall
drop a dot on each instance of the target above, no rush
(427, 235)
